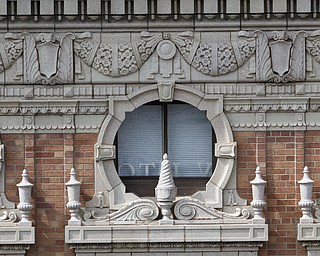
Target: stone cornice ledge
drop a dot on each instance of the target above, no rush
(86, 106)
(295, 104)
(150, 234)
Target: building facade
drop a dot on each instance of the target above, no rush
(159, 127)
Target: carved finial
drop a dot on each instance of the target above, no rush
(166, 191)
(74, 198)
(258, 202)
(306, 202)
(25, 206)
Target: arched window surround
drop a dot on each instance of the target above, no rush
(107, 180)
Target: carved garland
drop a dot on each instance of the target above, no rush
(126, 58)
(10, 51)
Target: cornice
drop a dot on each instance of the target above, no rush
(32, 107)
(290, 104)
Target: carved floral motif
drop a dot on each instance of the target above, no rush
(102, 62)
(10, 51)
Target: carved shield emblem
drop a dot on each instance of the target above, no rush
(48, 58)
(280, 56)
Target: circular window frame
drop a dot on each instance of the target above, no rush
(107, 179)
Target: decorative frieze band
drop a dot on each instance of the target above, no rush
(48, 58)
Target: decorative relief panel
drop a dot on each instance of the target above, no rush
(48, 58)
(280, 56)
(115, 59)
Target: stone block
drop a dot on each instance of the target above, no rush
(132, 234)
(24, 7)
(166, 234)
(256, 6)
(202, 233)
(46, 7)
(69, 7)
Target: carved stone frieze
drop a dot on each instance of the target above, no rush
(48, 58)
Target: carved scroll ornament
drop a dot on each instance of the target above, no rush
(192, 209)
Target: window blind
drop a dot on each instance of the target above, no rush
(140, 142)
(189, 141)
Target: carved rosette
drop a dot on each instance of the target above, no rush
(140, 210)
(192, 209)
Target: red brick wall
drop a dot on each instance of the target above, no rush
(280, 154)
(46, 157)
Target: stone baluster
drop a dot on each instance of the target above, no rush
(306, 203)
(73, 204)
(166, 191)
(258, 202)
(25, 206)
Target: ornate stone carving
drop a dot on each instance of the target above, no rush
(140, 210)
(215, 59)
(306, 203)
(6, 216)
(25, 205)
(10, 51)
(115, 59)
(280, 56)
(166, 191)
(48, 58)
(192, 209)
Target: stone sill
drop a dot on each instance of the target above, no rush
(167, 233)
(17, 235)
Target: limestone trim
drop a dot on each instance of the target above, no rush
(106, 176)
(148, 234)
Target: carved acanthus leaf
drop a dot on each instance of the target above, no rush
(192, 209)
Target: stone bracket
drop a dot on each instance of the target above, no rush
(226, 150)
(104, 152)
(166, 90)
